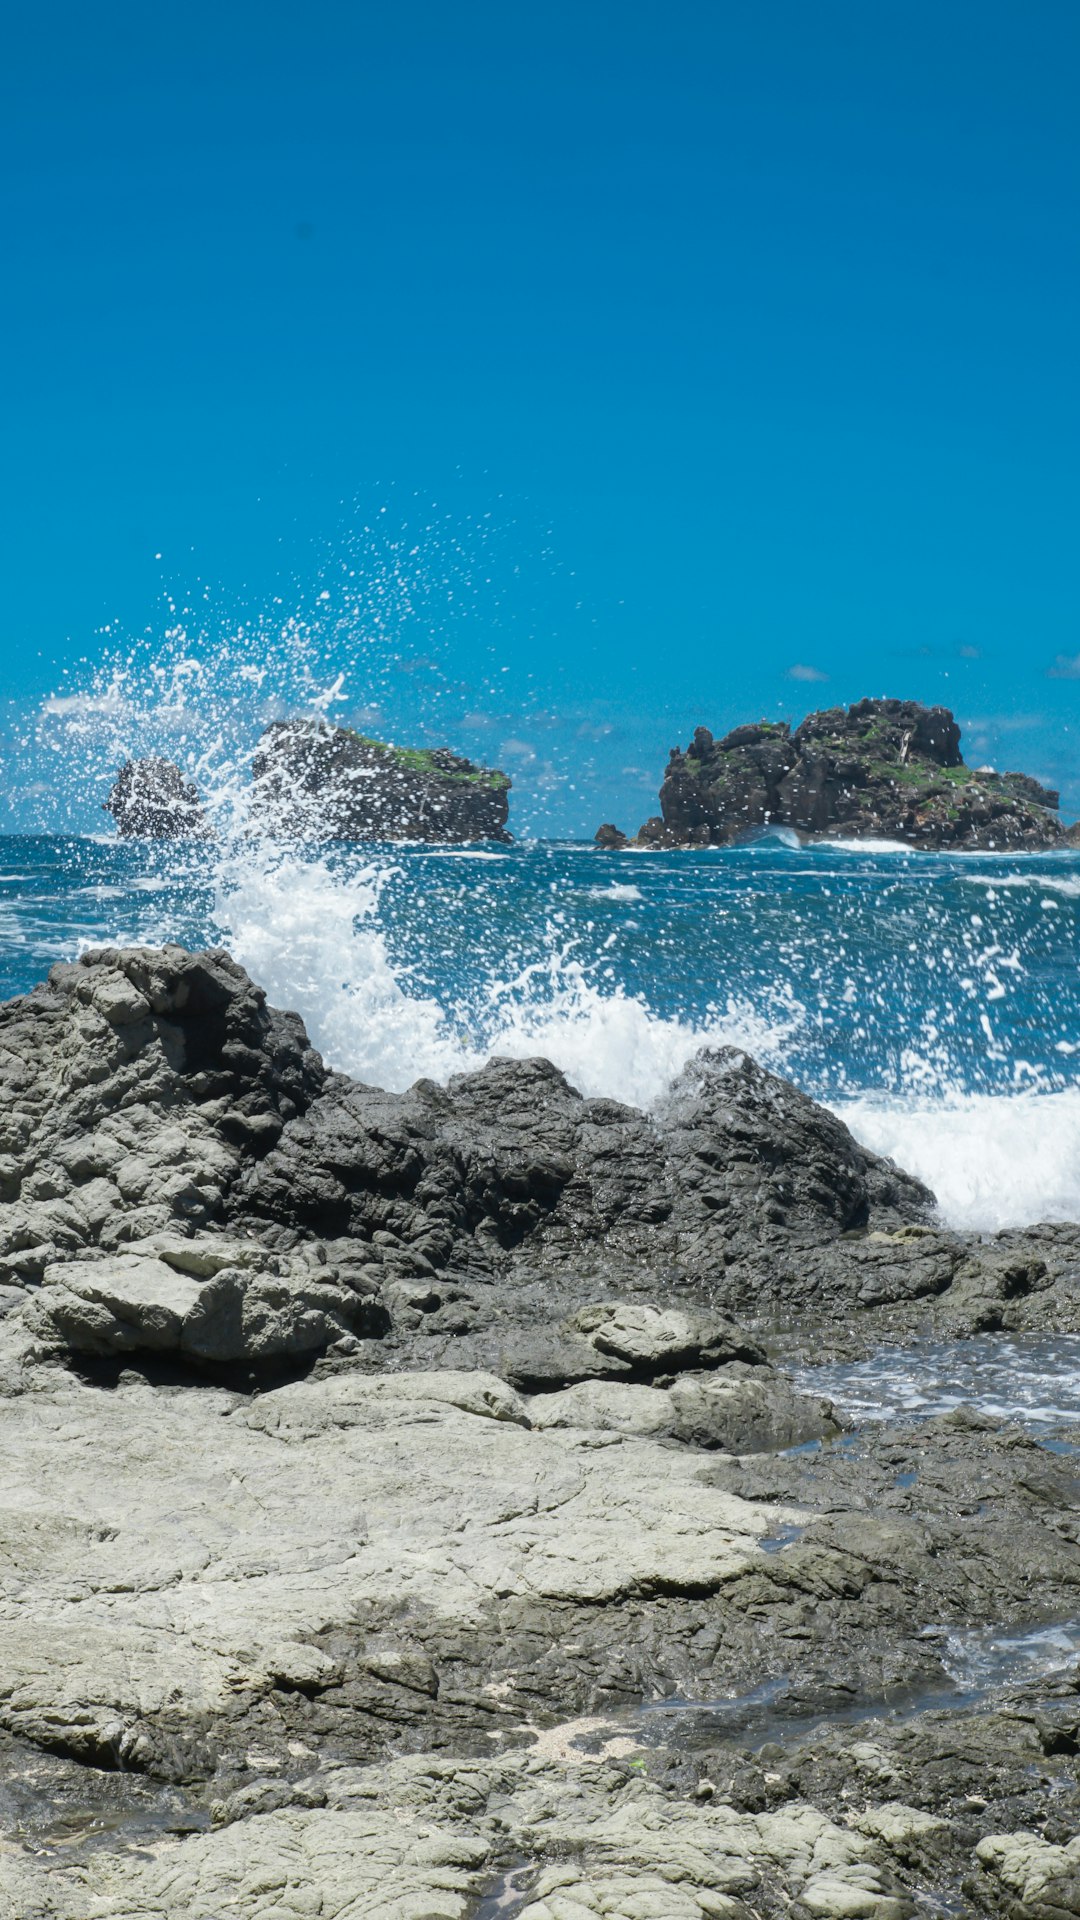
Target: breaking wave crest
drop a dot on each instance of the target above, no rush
(314, 938)
(993, 1160)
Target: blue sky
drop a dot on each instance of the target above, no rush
(717, 361)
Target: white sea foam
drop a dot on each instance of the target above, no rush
(313, 939)
(993, 1160)
(1033, 1379)
(866, 846)
(1066, 883)
(615, 892)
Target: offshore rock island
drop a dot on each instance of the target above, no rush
(880, 770)
(405, 1501)
(313, 780)
(151, 799)
(309, 776)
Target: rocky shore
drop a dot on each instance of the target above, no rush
(882, 769)
(420, 1506)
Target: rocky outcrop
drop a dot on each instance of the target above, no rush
(153, 800)
(323, 782)
(610, 838)
(882, 769)
(314, 781)
(402, 1504)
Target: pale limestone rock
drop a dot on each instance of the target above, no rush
(1044, 1879)
(604, 1406)
(170, 1547)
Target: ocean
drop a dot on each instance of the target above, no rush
(933, 1000)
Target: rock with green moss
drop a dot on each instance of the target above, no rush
(882, 769)
(316, 781)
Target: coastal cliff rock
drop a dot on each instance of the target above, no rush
(316, 780)
(403, 1506)
(153, 800)
(882, 769)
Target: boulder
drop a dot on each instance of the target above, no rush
(610, 839)
(152, 799)
(262, 1312)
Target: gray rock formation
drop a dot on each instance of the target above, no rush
(397, 1503)
(610, 838)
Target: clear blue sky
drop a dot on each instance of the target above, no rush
(726, 339)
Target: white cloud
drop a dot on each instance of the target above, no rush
(80, 706)
(800, 672)
(987, 724)
(1065, 667)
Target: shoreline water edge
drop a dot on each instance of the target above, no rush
(425, 1503)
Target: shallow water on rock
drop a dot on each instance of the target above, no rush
(978, 1663)
(983, 1658)
(508, 1894)
(57, 1807)
(1032, 1379)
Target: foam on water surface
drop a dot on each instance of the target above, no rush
(1030, 1379)
(980, 1658)
(315, 940)
(993, 1160)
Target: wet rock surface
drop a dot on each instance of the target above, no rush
(311, 780)
(882, 769)
(428, 1504)
(319, 781)
(152, 799)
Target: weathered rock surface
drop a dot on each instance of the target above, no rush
(250, 1308)
(417, 1840)
(882, 769)
(136, 1087)
(396, 1493)
(152, 799)
(318, 781)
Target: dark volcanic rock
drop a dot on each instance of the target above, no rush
(154, 1092)
(136, 1084)
(152, 800)
(319, 781)
(610, 838)
(511, 1170)
(886, 769)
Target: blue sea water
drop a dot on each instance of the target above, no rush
(932, 999)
